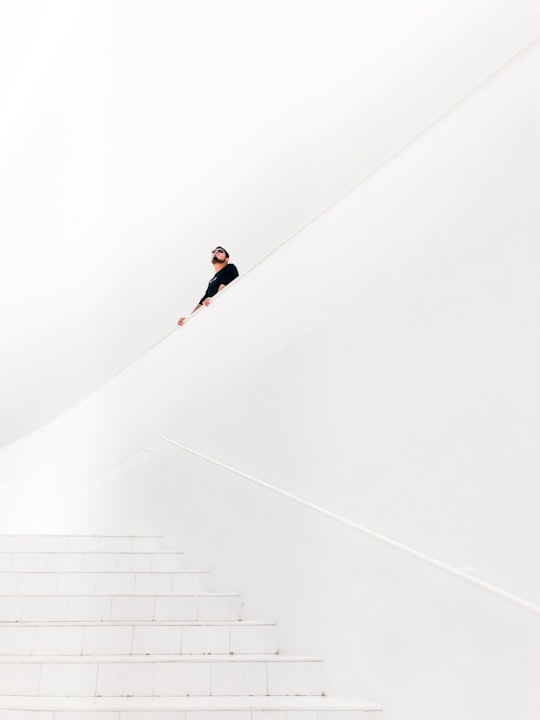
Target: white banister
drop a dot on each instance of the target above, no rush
(515, 599)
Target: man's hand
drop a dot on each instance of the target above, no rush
(206, 302)
(182, 320)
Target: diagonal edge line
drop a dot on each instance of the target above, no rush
(515, 599)
(333, 204)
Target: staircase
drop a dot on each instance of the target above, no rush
(115, 628)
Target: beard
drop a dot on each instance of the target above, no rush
(215, 260)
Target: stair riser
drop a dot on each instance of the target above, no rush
(39, 583)
(91, 561)
(62, 543)
(111, 608)
(137, 640)
(161, 679)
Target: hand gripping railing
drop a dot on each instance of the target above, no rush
(493, 589)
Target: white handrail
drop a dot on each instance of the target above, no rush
(158, 342)
(515, 599)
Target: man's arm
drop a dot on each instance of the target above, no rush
(206, 300)
(182, 320)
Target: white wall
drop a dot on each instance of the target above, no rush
(134, 136)
(384, 364)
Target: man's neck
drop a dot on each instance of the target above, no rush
(219, 266)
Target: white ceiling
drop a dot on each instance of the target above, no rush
(134, 135)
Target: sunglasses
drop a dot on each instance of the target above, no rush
(218, 250)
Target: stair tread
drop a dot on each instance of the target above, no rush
(100, 572)
(136, 623)
(239, 702)
(76, 535)
(85, 659)
(92, 552)
(121, 594)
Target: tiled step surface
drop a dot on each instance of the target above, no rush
(94, 561)
(80, 543)
(188, 638)
(14, 582)
(156, 676)
(114, 627)
(166, 708)
(122, 608)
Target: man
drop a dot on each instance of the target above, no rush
(225, 273)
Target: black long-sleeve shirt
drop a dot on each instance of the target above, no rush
(223, 277)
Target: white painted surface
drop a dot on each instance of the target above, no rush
(384, 365)
(193, 122)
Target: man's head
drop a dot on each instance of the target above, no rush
(220, 256)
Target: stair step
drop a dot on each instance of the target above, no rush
(113, 627)
(192, 708)
(188, 638)
(121, 607)
(13, 582)
(79, 543)
(97, 561)
(157, 675)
